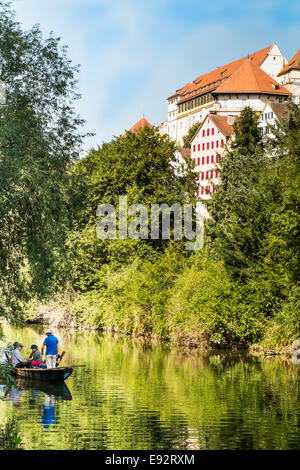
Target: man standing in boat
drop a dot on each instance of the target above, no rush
(51, 344)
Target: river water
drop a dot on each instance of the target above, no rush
(133, 396)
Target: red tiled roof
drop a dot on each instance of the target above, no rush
(280, 110)
(221, 122)
(250, 78)
(185, 152)
(211, 80)
(294, 63)
(162, 124)
(140, 124)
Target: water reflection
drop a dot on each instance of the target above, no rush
(133, 396)
(48, 416)
(11, 393)
(52, 394)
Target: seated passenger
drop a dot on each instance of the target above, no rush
(17, 358)
(37, 358)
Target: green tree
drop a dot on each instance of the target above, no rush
(282, 183)
(280, 265)
(144, 167)
(39, 138)
(255, 223)
(237, 221)
(190, 135)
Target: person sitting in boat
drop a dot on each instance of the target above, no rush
(51, 344)
(17, 358)
(36, 357)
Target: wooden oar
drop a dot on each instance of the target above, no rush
(61, 357)
(9, 359)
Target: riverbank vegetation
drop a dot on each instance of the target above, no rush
(240, 289)
(39, 138)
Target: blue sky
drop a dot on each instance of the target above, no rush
(134, 54)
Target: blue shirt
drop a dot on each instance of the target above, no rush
(51, 343)
(49, 415)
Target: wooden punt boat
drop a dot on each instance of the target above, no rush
(45, 375)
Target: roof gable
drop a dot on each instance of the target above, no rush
(294, 63)
(220, 122)
(140, 124)
(280, 110)
(249, 78)
(211, 80)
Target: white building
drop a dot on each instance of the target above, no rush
(206, 147)
(271, 113)
(263, 81)
(289, 76)
(195, 100)
(248, 86)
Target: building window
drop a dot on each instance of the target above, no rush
(207, 159)
(212, 174)
(217, 144)
(194, 148)
(207, 131)
(212, 159)
(207, 146)
(222, 143)
(198, 147)
(213, 131)
(203, 133)
(217, 158)
(217, 174)
(202, 175)
(212, 145)
(198, 160)
(203, 146)
(203, 160)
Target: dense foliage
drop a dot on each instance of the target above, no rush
(145, 168)
(242, 288)
(187, 139)
(38, 139)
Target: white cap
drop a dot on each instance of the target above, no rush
(48, 332)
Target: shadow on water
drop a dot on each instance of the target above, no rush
(59, 391)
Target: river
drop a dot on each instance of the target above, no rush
(135, 396)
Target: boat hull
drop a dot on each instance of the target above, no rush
(59, 374)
